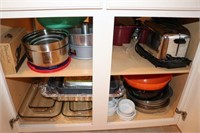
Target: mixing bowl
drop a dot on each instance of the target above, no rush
(148, 82)
(46, 47)
(60, 22)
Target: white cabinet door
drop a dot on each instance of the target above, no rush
(49, 4)
(6, 107)
(154, 4)
(192, 104)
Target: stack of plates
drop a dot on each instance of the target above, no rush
(158, 103)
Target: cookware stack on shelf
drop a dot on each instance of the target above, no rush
(46, 50)
(150, 93)
(50, 49)
(81, 42)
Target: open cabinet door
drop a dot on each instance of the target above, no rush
(6, 106)
(192, 105)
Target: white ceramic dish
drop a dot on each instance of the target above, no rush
(126, 106)
(124, 117)
(126, 109)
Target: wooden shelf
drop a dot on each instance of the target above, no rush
(128, 63)
(122, 64)
(75, 68)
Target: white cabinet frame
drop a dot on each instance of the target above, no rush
(102, 55)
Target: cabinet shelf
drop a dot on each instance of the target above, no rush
(122, 64)
(127, 63)
(75, 68)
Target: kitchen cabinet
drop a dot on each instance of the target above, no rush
(154, 4)
(6, 107)
(107, 61)
(191, 106)
(50, 4)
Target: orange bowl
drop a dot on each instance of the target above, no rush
(148, 82)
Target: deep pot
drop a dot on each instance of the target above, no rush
(46, 47)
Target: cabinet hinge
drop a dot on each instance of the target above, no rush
(12, 121)
(182, 113)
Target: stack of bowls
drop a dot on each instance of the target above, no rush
(81, 41)
(46, 48)
(126, 110)
(150, 93)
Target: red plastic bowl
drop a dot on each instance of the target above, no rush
(148, 82)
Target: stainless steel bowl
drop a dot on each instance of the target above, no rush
(81, 39)
(47, 58)
(45, 40)
(81, 36)
(46, 47)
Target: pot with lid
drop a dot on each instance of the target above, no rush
(46, 47)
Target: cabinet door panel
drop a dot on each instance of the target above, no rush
(6, 108)
(154, 4)
(192, 102)
(49, 4)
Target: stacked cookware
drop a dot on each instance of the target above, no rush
(150, 93)
(81, 41)
(50, 49)
(46, 50)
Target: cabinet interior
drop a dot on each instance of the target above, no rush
(122, 64)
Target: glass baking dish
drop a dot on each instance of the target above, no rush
(38, 112)
(38, 102)
(77, 109)
(66, 90)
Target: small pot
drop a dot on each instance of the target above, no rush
(80, 52)
(46, 48)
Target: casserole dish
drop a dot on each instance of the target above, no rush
(31, 111)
